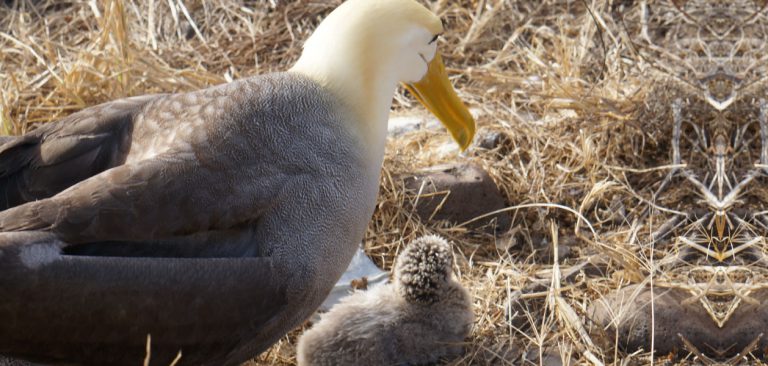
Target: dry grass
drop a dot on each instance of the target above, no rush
(564, 85)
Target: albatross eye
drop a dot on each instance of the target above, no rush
(434, 38)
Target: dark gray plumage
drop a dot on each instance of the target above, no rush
(423, 315)
(57, 155)
(198, 218)
(6, 361)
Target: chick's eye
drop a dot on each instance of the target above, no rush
(434, 38)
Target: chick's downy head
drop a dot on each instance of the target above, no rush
(423, 270)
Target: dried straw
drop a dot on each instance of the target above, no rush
(558, 78)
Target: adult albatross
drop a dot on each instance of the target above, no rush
(216, 220)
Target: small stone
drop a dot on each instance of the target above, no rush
(491, 139)
(458, 193)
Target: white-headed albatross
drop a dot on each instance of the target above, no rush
(216, 220)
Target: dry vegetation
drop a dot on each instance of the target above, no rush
(558, 78)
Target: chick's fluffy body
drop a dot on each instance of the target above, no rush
(423, 315)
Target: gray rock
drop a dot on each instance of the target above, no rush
(458, 193)
(491, 139)
(676, 317)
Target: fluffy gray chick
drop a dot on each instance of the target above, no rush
(423, 315)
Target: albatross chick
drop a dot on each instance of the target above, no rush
(424, 314)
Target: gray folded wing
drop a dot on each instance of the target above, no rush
(146, 200)
(57, 155)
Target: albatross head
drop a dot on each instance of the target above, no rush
(364, 48)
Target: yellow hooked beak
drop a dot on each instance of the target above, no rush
(435, 92)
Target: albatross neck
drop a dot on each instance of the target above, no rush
(364, 86)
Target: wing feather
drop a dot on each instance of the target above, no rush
(57, 155)
(145, 200)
